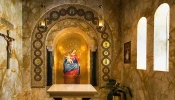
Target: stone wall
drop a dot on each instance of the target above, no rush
(122, 18)
(145, 84)
(11, 80)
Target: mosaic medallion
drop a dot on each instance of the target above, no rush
(37, 44)
(89, 15)
(37, 70)
(37, 77)
(80, 12)
(37, 61)
(104, 36)
(106, 70)
(37, 53)
(106, 44)
(106, 61)
(71, 10)
(63, 12)
(54, 15)
(38, 35)
(106, 77)
(106, 53)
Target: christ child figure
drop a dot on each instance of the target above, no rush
(69, 59)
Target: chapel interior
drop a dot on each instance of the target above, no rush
(46, 42)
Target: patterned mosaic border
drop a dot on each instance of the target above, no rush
(38, 77)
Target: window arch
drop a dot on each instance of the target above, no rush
(161, 38)
(141, 43)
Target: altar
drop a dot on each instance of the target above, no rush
(84, 91)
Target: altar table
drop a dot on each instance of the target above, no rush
(84, 91)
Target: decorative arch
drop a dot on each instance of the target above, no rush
(64, 12)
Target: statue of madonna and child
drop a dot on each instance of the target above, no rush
(71, 64)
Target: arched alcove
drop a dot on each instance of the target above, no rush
(88, 19)
(65, 41)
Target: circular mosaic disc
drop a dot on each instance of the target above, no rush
(80, 12)
(89, 15)
(38, 35)
(106, 77)
(37, 77)
(37, 70)
(37, 61)
(106, 61)
(106, 70)
(106, 53)
(63, 12)
(104, 35)
(54, 15)
(71, 11)
(37, 53)
(37, 44)
(106, 44)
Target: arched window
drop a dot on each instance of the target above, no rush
(161, 38)
(141, 43)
